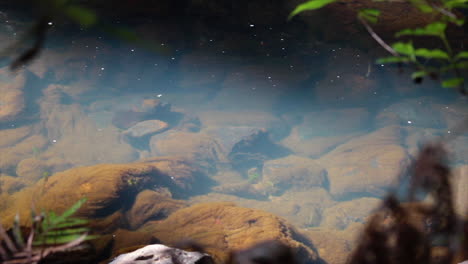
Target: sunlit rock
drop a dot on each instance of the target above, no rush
(332, 246)
(107, 187)
(10, 185)
(341, 215)
(222, 227)
(152, 205)
(366, 165)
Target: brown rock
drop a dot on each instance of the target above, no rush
(32, 169)
(179, 174)
(77, 140)
(341, 215)
(460, 186)
(301, 208)
(313, 147)
(457, 150)
(365, 165)
(421, 112)
(11, 156)
(254, 119)
(12, 101)
(107, 189)
(11, 136)
(9, 184)
(293, 172)
(242, 189)
(130, 239)
(330, 244)
(152, 205)
(222, 227)
(146, 128)
(198, 147)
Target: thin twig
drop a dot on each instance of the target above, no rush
(378, 38)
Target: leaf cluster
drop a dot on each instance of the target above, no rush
(449, 63)
(49, 233)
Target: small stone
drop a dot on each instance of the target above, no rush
(146, 128)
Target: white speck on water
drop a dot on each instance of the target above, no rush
(54, 141)
(410, 122)
(50, 23)
(159, 95)
(102, 68)
(252, 25)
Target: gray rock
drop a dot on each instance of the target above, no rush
(161, 254)
(145, 128)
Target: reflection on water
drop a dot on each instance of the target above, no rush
(317, 141)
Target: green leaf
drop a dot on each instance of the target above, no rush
(462, 65)
(418, 74)
(422, 5)
(457, 21)
(392, 59)
(456, 4)
(311, 5)
(454, 82)
(72, 210)
(404, 48)
(432, 54)
(461, 55)
(434, 29)
(83, 16)
(370, 15)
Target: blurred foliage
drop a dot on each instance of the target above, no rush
(445, 63)
(49, 233)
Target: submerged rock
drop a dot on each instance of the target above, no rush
(161, 254)
(109, 189)
(12, 101)
(146, 128)
(145, 207)
(200, 148)
(367, 165)
(222, 227)
(293, 172)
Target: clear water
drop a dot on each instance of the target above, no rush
(315, 112)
